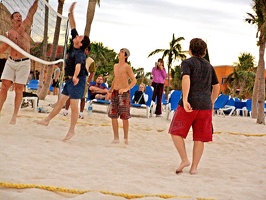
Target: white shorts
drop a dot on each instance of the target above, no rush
(17, 72)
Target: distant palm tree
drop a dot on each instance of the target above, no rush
(241, 80)
(176, 77)
(173, 53)
(90, 15)
(258, 96)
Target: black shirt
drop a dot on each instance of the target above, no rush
(202, 77)
(75, 56)
(139, 97)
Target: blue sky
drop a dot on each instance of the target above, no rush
(145, 25)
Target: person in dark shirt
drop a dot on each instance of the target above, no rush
(200, 88)
(76, 73)
(98, 90)
(139, 96)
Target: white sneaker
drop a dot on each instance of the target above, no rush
(81, 116)
(65, 113)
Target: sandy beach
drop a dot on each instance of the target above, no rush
(233, 166)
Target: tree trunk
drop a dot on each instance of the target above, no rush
(261, 84)
(41, 93)
(57, 30)
(254, 113)
(90, 16)
(50, 69)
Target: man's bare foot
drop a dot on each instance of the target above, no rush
(13, 120)
(193, 171)
(182, 166)
(126, 141)
(42, 122)
(115, 141)
(69, 135)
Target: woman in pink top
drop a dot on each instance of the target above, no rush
(159, 74)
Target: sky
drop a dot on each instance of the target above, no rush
(145, 25)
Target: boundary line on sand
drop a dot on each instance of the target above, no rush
(75, 191)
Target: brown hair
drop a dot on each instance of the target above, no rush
(101, 75)
(198, 47)
(12, 16)
(161, 61)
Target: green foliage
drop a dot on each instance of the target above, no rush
(105, 59)
(176, 78)
(241, 81)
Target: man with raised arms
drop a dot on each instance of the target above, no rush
(17, 67)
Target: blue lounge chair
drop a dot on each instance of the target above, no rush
(33, 84)
(171, 107)
(148, 106)
(220, 102)
(229, 108)
(246, 108)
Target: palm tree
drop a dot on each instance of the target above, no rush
(241, 80)
(90, 15)
(173, 53)
(46, 86)
(42, 48)
(103, 57)
(258, 96)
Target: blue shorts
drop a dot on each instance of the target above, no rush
(75, 91)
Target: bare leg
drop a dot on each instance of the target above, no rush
(17, 102)
(180, 146)
(55, 91)
(3, 92)
(74, 118)
(197, 153)
(115, 130)
(125, 127)
(82, 104)
(67, 104)
(58, 106)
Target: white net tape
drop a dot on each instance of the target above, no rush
(7, 7)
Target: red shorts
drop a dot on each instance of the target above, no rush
(200, 120)
(120, 105)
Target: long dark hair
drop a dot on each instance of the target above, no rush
(161, 61)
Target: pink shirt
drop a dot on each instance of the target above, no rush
(158, 75)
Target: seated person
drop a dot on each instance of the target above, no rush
(98, 90)
(140, 97)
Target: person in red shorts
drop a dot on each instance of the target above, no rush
(200, 88)
(119, 94)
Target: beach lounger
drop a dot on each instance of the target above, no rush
(148, 106)
(171, 107)
(229, 108)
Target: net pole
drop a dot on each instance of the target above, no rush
(64, 57)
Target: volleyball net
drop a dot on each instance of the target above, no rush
(43, 30)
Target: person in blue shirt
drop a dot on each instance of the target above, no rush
(76, 73)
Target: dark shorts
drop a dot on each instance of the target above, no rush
(74, 91)
(200, 120)
(55, 84)
(120, 105)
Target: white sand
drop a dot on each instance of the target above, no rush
(232, 167)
